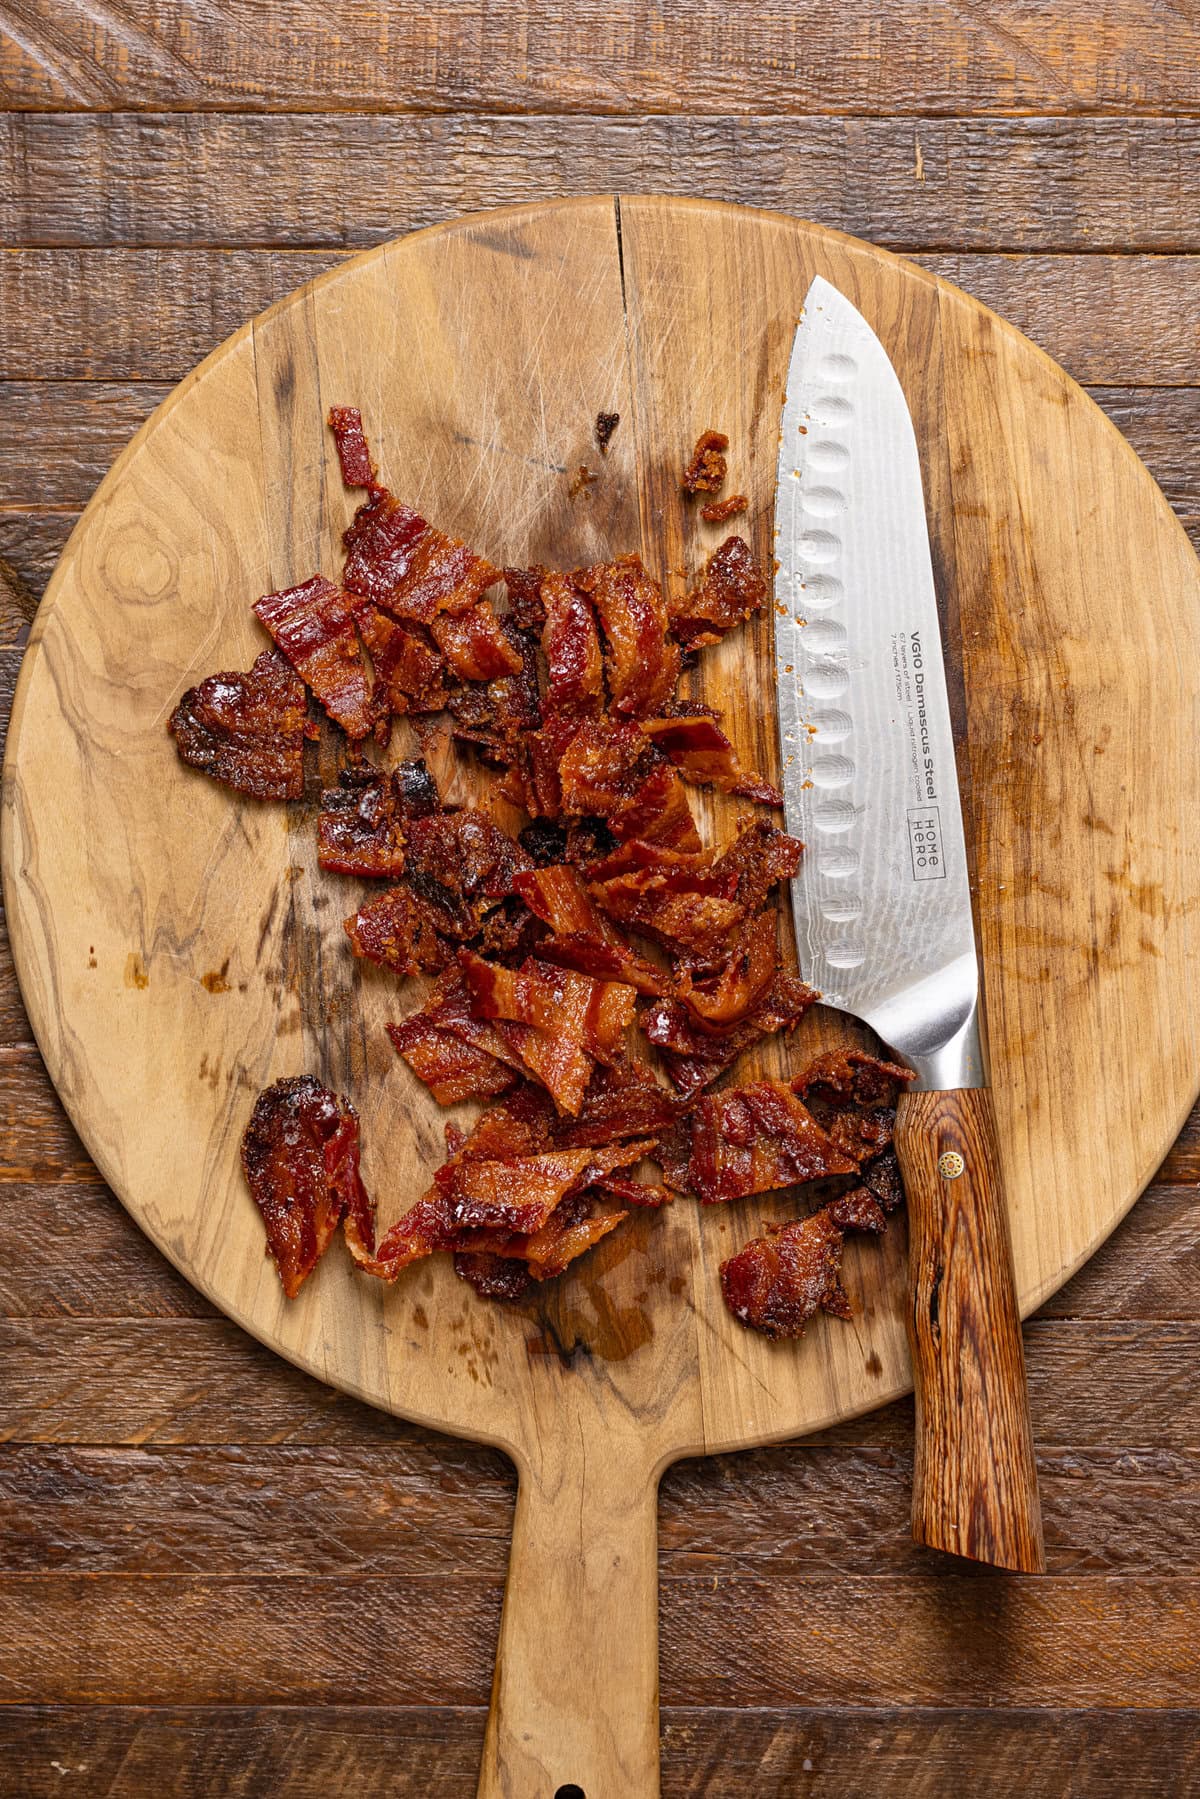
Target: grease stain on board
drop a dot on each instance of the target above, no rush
(135, 971)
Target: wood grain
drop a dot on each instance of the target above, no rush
(974, 1473)
(593, 58)
(208, 1752)
(344, 181)
(125, 315)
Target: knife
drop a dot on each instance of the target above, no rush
(882, 902)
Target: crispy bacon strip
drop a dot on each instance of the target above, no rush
(456, 1055)
(705, 473)
(360, 828)
(398, 931)
(313, 626)
(731, 589)
(300, 1157)
(776, 1283)
(358, 470)
(641, 661)
(695, 1056)
(474, 643)
(571, 646)
(716, 1005)
(408, 567)
(409, 673)
(750, 1139)
(704, 755)
(247, 730)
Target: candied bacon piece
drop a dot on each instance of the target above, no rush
(416, 789)
(524, 587)
(518, 1195)
(716, 1005)
(705, 473)
(851, 1074)
(603, 766)
(675, 898)
(409, 673)
(858, 1210)
(759, 857)
(493, 1276)
(581, 939)
(379, 544)
(247, 730)
(750, 1139)
(457, 1056)
(623, 1100)
(423, 1230)
(510, 932)
(776, 1283)
(693, 1057)
(462, 863)
(731, 588)
(358, 470)
(300, 1157)
(861, 1134)
(674, 1155)
(703, 754)
(474, 643)
(544, 842)
(659, 813)
(571, 646)
(640, 661)
(398, 930)
(557, 1021)
(644, 1195)
(717, 511)
(408, 567)
(313, 626)
(882, 1179)
(360, 828)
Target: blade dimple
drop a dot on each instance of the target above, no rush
(882, 902)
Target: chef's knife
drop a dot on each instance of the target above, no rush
(883, 906)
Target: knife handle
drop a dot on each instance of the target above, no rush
(975, 1490)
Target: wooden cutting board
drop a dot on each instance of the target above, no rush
(178, 949)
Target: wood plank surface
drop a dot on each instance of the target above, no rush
(343, 181)
(166, 171)
(928, 56)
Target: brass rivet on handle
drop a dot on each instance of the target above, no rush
(950, 1164)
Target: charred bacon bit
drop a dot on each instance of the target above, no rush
(753, 1138)
(606, 424)
(474, 643)
(842, 1075)
(313, 626)
(731, 589)
(492, 1276)
(360, 829)
(456, 1055)
(300, 1156)
(416, 789)
(358, 470)
(882, 1179)
(524, 587)
(398, 931)
(858, 1210)
(510, 932)
(775, 1284)
(247, 730)
(694, 1057)
(409, 673)
(703, 754)
(706, 472)
(462, 863)
(641, 661)
(717, 511)
(571, 646)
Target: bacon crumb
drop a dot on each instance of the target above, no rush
(717, 511)
(706, 471)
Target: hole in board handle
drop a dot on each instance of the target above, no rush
(570, 1791)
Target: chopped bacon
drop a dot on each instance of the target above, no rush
(408, 567)
(358, 470)
(360, 829)
(423, 1230)
(456, 1055)
(750, 1139)
(516, 1195)
(717, 511)
(623, 1100)
(851, 1074)
(314, 627)
(524, 587)
(247, 730)
(409, 673)
(758, 859)
(659, 813)
(462, 863)
(399, 931)
(731, 589)
(644, 1195)
(882, 1179)
(694, 1057)
(686, 912)
(776, 1283)
(300, 1156)
(606, 424)
(641, 661)
(571, 645)
(717, 1004)
(492, 1276)
(582, 939)
(705, 473)
(703, 754)
(510, 932)
(474, 643)
(557, 1021)
(603, 766)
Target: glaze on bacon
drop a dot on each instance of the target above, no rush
(247, 730)
(596, 968)
(300, 1156)
(314, 627)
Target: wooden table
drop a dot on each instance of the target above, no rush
(217, 1577)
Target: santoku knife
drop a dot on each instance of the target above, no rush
(882, 902)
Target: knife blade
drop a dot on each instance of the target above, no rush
(882, 901)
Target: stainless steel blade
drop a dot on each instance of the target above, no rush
(882, 902)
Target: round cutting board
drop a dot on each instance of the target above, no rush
(178, 949)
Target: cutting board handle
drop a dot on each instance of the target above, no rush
(975, 1488)
(575, 1699)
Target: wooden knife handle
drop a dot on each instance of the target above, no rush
(975, 1487)
(575, 1697)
